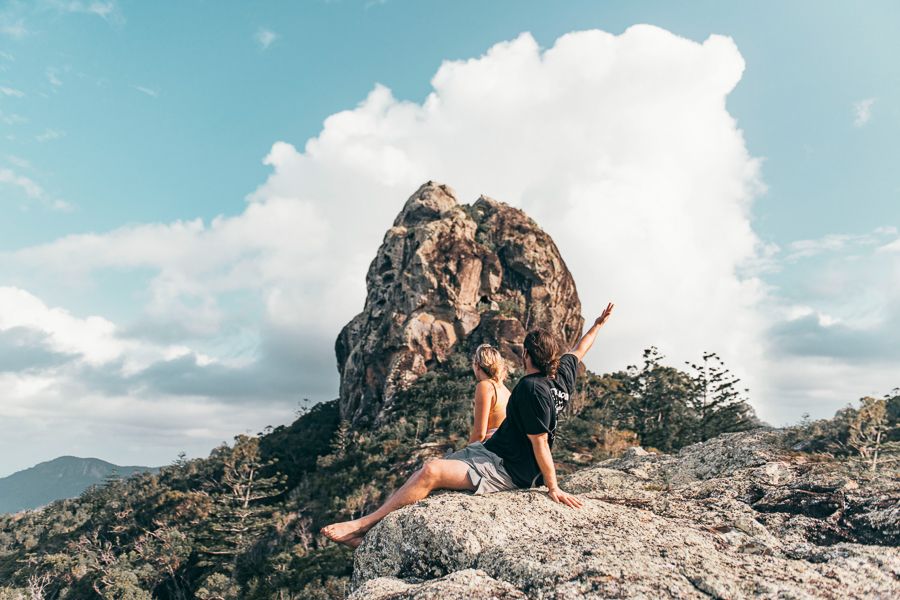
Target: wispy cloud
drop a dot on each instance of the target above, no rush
(862, 109)
(836, 242)
(18, 161)
(12, 118)
(107, 10)
(53, 78)
(8, 91)
(14, 14)
(13, 29)
(30, 187)
(265, 37)
(49, 134)
(148, 91)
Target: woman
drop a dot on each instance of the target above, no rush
(491, 395)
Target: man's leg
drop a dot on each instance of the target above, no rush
(435, 475)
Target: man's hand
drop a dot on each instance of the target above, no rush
(605, 316)
(557, 495)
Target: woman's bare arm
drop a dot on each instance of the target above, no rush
(587, 340)
(482, 412)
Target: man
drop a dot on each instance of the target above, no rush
(517, 455)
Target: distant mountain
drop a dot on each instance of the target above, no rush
(63, 477)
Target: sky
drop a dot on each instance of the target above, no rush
(192, 192)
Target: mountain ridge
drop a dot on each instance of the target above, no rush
(62, 477)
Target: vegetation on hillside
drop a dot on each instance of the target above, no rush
(243, 522)
(868, 434)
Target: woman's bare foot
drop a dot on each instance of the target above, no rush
(355, 541)
(344, 532)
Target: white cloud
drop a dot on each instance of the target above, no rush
(31, 189)
(53, 77)
(148, 91)
(834, 327)
(12, 118)
(76, 383)
(18, 161)
(837, 242)
(862, 111)
(8, 91)
(107, 10)
(621, 147)
(49, 135)
(265, 37)
(14, 29)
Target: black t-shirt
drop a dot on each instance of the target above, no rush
(532, 409)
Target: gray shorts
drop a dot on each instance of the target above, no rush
(486, 470)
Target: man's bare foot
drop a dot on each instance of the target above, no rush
(355, 541)
(344, 532)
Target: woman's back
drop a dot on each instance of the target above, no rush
(491, 396)
(498, 405)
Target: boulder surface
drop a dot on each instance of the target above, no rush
(738, 516)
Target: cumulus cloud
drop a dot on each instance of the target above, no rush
(862, 111)
(80, 376)
(835, 325)
(620, 146)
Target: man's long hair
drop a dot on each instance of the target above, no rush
(543, 348)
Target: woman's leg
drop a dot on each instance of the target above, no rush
(435, 475)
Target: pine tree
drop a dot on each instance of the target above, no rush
(241, 501)
(658, 403)
(716, 401)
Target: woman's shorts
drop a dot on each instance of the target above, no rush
(486, 470)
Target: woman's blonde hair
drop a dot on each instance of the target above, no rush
(489, 360)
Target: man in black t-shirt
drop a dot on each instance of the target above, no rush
(533, 410)
(517, 455)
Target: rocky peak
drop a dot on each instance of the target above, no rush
(446, 277)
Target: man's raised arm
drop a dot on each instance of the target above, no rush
(587, 340)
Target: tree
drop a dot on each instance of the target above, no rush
(869, 430)
(658, 404)
(716, 401)
(241, 501)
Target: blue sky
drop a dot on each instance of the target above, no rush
(128, 114)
